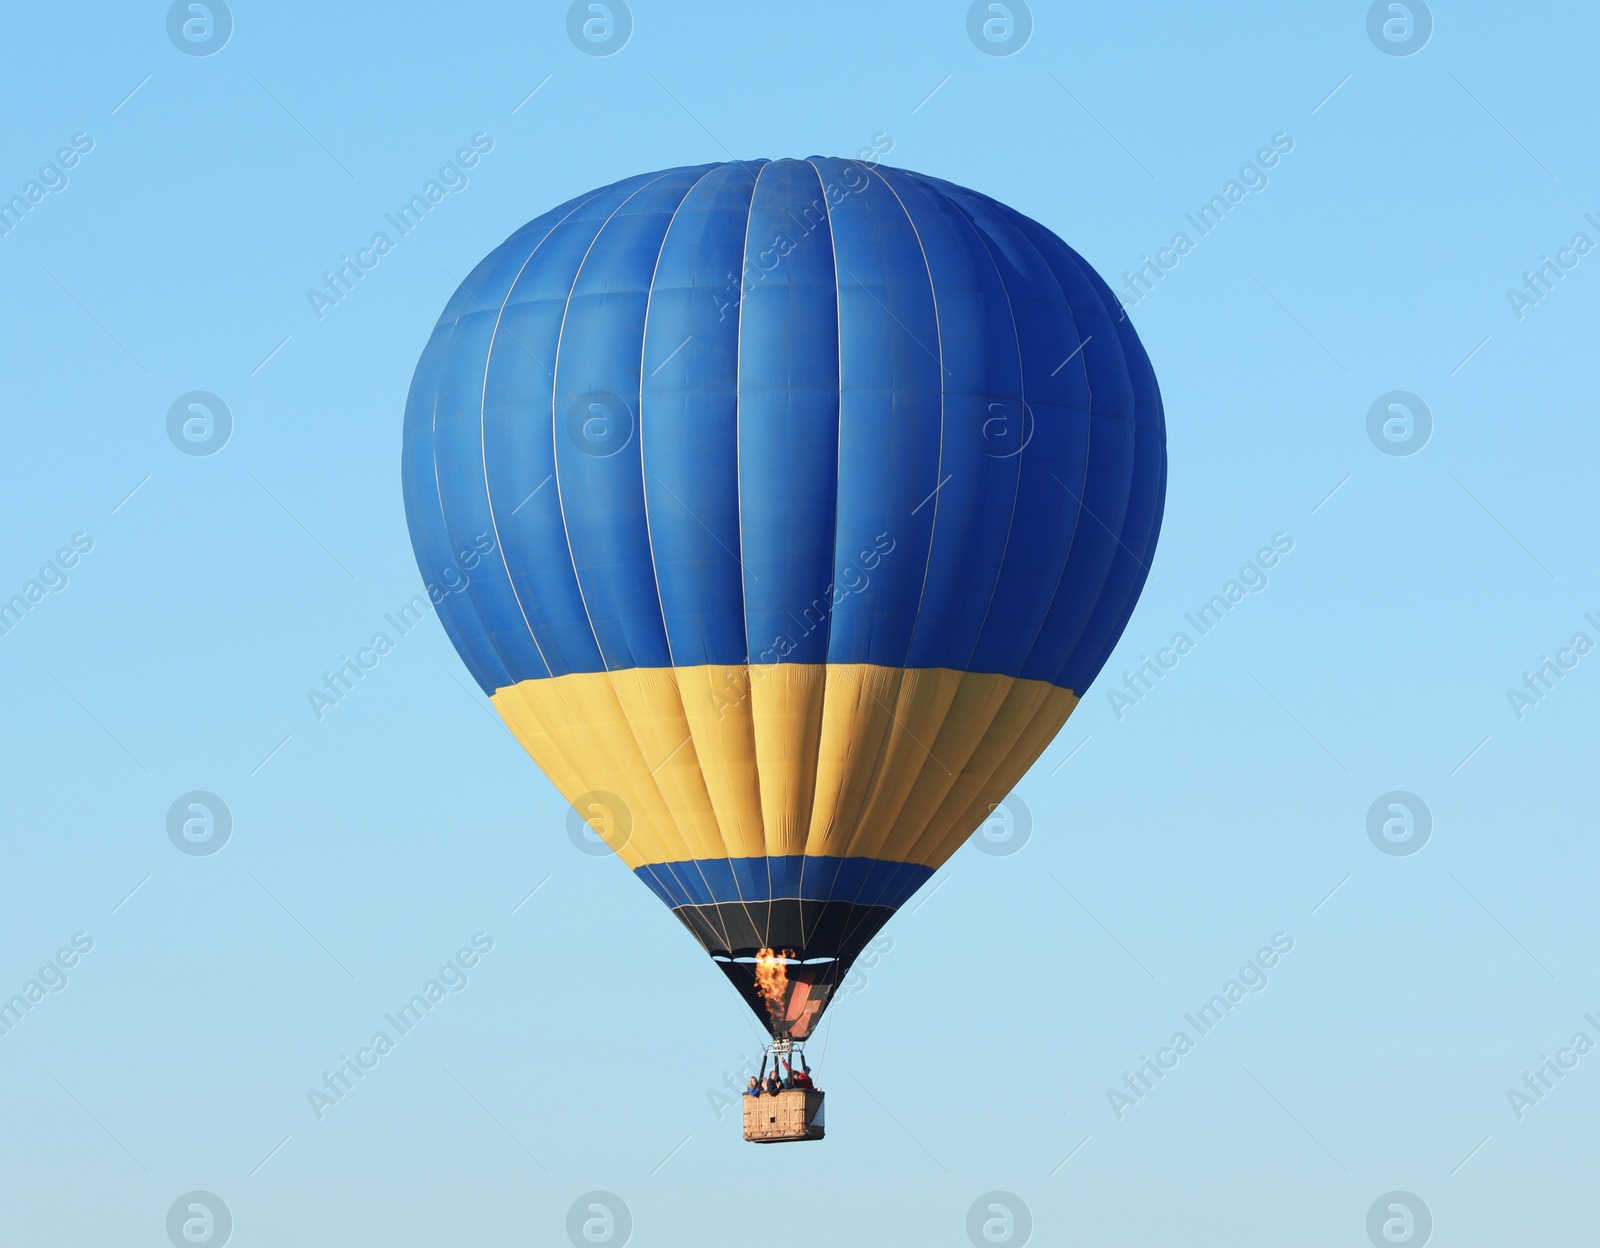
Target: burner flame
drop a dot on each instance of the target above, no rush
(772, 980)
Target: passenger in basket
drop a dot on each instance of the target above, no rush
(802, 1079)
(754, 1088)
(774, 1084)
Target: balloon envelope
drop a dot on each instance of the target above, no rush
(784, 510)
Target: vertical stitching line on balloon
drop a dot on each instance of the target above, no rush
(644, 488)
(1083, 486)
(838, 423)
(1108, 643)
(946, 191)
(644, 475)
(1022, 390)
(650, 543)
(483, 442)
(1089, 277)
(555, 439)
(438, 491)
(1119, 546)
(1142, 572)
(689, 855)
(748, 701)
(938, 476)
(889, 732)
(556, 467)
(434, 444)
(738, 485)
(833, 562)
(950, 194)
(923, 185)
(574, 719)
(738, 415)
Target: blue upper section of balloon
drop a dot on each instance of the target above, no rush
(797, 410)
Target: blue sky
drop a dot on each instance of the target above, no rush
(1171, 839)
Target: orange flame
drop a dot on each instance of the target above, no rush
(772, 979)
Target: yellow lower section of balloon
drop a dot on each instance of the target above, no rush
(842, 759)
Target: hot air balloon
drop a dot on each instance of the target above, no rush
(784, 510)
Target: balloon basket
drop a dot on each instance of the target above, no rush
(790, 1114)
(793, 1114)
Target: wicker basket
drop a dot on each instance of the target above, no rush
(794, 1114)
